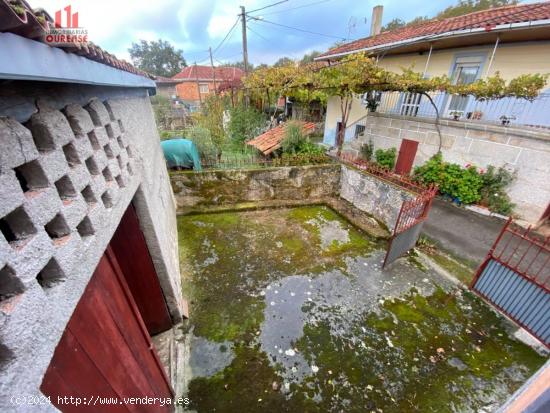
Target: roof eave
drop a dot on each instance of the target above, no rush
(25, 59)
(431, 38)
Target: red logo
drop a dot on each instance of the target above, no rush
(70, 33)
(72, 19)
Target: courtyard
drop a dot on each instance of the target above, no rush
(290, 310)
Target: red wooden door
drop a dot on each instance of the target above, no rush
(128, 244)
(106, 352)
(405, 160)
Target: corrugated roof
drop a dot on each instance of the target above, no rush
(206, 73)
(19, 18)
(486, 19)
(271, 140)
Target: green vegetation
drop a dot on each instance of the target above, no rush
(367, 150)
(386, 157)
(244, 124)
(426, 349)
(467, 184)
(157, 57)
(296, 142)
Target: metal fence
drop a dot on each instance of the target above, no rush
(507, 111)
(515, 278)
(251, 161)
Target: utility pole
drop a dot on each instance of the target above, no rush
(213, 71)
(245, 46)
(198, 86)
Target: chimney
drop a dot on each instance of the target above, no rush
(376, 23)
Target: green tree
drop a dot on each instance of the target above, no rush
(283, 61)
(394, 24)
(159, 58)
(240, 65)
(470, 6)
(211, 119)
(244, 124)
(308, 57)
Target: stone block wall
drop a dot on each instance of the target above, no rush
(237, 186)
(373, 195)
(526, 152)
(68, 172)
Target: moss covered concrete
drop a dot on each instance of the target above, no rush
(315, 325)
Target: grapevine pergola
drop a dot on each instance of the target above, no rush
(357, 74)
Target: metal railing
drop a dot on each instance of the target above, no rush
(507, 111)
(252, 161)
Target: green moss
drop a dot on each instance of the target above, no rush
(457, 269)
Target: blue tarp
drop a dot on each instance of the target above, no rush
(180, 152)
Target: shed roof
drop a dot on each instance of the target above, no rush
(206, 73)
(271, 140)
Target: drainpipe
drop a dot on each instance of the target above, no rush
(427, 61)
(492, 56)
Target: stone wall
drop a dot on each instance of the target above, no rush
(68, 171)
(368, 194)
(375, 196)
(238, 186)
(525, 151)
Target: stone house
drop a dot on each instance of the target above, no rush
(510, 132)
(89, 266)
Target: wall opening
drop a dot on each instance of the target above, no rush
(57, 227)
(93, 140)
(50, 275)
(31, 176)
(88, 195)
(92, 166)
(85, 228)
(107, 199)
(71, 155)
(10, 285)
(17, 226)
(108, 151)
(65, 188)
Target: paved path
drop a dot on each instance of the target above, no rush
(462, 232)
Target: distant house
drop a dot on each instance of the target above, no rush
(194, 83)
(166, 86)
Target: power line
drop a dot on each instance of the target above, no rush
(269, 5)
(298, 29)
(297, 7)
(227, 35)
(258, 34)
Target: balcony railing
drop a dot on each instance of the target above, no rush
(506, 111)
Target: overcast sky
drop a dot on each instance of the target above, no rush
(194, 25)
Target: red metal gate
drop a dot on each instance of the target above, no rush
(515, 278)
(408, 225)
(405, 160)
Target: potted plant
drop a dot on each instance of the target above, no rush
(456, 114)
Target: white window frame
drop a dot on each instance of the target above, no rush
(202, 87)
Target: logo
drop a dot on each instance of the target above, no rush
(70, 33)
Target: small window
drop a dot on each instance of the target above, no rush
(203, 87)
(359, 129)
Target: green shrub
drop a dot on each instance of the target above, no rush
(244, 124)
(461, 184)
(493, 194)
(367, 150)
(287, 159)
(202, 139)
(295, 142)
(386, 157)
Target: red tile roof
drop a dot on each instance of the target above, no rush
(206, 73)
(273, 138)
(34, 24)
(486, 19)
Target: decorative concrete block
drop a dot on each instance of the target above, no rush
(11, 194)
(98, 113)
(101, 135)
(50, 129)
(17, 144)
(80, 177)
(74, 211)
(83, 147)
(32, 256)
(54, 165)
(43, 205)
(79, 119)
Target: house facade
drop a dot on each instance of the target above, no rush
(510, 132)
(195, 83)
(89, 267)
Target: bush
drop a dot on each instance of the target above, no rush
(493, 193)
(300, 159)
(169, 134)
(468, 185)
(386, 157)
(244, 124)
(461, 184)
(202, 139)
(367, 150)
(295, 142)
